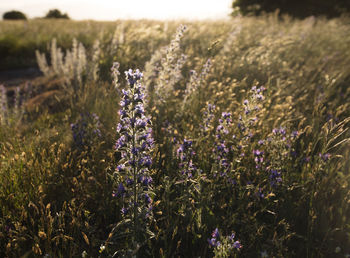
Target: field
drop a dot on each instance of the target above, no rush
(231, 140)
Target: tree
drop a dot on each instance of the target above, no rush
(296, 8)
(56, 14)
(14, 15)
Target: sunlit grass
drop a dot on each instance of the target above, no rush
(268, 163)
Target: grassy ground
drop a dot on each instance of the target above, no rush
(275, 170)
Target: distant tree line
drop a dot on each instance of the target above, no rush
(56, 14)
(51, 14)
(296, 8)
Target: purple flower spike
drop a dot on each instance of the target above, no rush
(134, 144)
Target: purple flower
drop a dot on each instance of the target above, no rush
(121, 167)
(275, 177)
(282, 131)
(139, 109)
(258, 152)
(225, 115)
(261, 142)
(212, 242)
(133, 77)
(121, 190)
(148, 199)
(134, 144)
(208, 117)
(86, 130)
(211, 107)
(185, 155)
(126, 93)
(139, 97)
(135, 150)
(121, 142)
(306, 159)
(124, 102)
(260, 193)
(147, 181)
(124, 211)
(220, 149)
(237, 245)
(129, 181)
(141, 124)
(259, 97)
(325, 157)
(295, 134)
(215, 233)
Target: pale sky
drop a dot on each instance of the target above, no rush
(123, 9)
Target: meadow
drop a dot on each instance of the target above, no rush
(176, 139)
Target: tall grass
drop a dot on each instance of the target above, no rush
(250, 155)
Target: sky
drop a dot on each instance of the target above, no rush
(123, 9)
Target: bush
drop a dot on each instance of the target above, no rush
(56, 14)
(297, 8)
(14, 15)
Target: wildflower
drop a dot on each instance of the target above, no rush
(121, 190)
(3, 104)
(215, 233)
(306, 159)
(135, 143)
(260, 193)
(325, 157)
(185, 154)
(258, 152)
(259, 159)
(86, 130)
(275, 177)
(279, 131)
(208, 117)
(237, 245)
(295, 134)
(261, 142)
(232, 236)
(223, 245)
(221, 150)
(148, 199)
(212, 242)
(124, 211)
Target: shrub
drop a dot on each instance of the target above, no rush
(14, 15)
(56, 14)
(297, 8)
